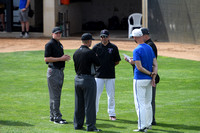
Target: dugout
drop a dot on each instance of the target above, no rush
(167, 20)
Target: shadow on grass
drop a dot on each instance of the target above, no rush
(14, 123)
(121, 121)
(179, 126)
(160, 130)
(108, 126)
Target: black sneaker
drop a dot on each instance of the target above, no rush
(94, 130)
(61, 121)
(153, 123)
(51, 119)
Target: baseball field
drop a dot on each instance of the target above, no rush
(24, 98)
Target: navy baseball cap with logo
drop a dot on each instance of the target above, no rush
(145, 31)
(104, 33)
(87, 36)
(56, 30)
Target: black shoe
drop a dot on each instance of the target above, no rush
(140, 130)
(94, 130)
(61, 121)
(79, 128)
(153, 123)
(51, 119)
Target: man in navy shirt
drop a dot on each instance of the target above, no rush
(109, 57)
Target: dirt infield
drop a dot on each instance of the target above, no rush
(177, 50)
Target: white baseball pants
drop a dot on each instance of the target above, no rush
(142, 99)
(110, 89)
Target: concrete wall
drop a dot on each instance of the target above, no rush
(74, 15)
(174, 20)
(49, 16)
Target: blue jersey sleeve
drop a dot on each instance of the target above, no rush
(136, 55)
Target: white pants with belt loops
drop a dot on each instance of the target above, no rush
(142, 99)
(110, 89)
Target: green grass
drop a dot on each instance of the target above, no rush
(24, 98)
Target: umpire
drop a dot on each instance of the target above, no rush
(55, 58)
(148, 41)
(85, 85)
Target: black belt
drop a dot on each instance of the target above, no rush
(54, 67)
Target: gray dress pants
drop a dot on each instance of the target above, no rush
(55, 79)
(85, 102)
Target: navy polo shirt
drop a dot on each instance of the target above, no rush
(107, 55)
(55, 49)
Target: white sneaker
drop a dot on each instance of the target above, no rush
(140, 130)
(26, 35)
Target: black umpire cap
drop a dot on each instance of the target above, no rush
(56, 30)
(87, 36)
(145, 31)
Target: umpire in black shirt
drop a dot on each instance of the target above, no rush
(55, 58)
(85, 85)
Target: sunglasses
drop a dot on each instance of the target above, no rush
(104, 36)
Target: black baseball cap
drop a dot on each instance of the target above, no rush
(104, 32)
(87, 36)
(145, 31)
(56, 30)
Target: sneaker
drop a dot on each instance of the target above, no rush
(149, 127)
(26, 35)
(140, 130)
(94, 130)
(153, 123)
(21, 35)
(51, 119)
(113, 118)
(61, 121)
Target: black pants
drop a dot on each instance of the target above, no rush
(153, 103)
(85, 101)
(55, 79)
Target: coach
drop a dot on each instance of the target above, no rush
(147, 40)
(144, 79)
